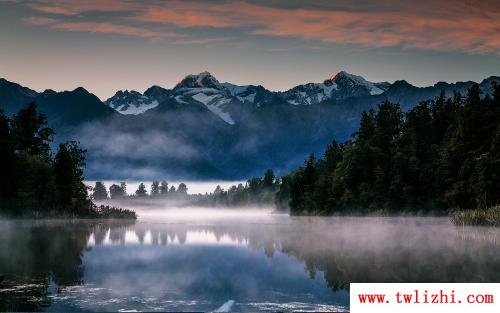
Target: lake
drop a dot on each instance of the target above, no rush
(194, 259)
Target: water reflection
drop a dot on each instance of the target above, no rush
(40, 258)
(264, 263)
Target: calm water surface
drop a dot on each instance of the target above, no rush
(199, 259)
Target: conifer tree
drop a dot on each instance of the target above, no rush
(155, 188)
(141, 191)
(100, 192)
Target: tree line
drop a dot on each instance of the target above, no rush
(158, 190)
(36, 182)
(258, 191)
(442, 155)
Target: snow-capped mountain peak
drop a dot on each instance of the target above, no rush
(344, 75)
(201, 80)
(131, 102)
(351, 81)
(205, 89)
(224, 99)
(339, 86)
(256, 95)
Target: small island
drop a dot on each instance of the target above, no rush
(38, 184)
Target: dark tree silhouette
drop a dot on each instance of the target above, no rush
(164, 188)
(441, 155)
(35, 184)
(100, 192)
(155, 188)
(141, 191)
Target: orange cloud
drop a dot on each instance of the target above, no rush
(442, 25)
(476, 32)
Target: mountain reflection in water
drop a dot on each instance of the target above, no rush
(262, 262)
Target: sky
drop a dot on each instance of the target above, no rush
(108, 45)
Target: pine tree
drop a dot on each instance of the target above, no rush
(69, 163)
(100, 192)
(30, 132)
(366, 126)
(123, 186)
(269, 178)
(172, 191)
(182, 189)
(155, 188)
(164, 188)
(141, 191)
(116, 192)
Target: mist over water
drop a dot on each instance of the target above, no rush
(250, 259)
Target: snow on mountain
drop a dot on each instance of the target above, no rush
(383, 86)
(350, 81)
(222, 99)
(311, 93)
(205, 89)
(201, 80)
(340, 86)
(243, 93)
(133, 102)
(215, 103)
(257, 95)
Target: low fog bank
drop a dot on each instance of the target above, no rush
(183, 209)
(189, 201)
(204, 214)
(255, 193)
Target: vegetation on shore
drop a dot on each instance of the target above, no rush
(257, 191)
(480, 217)
(36, 183)
(442, 155)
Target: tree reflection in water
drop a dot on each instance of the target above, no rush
(38, 259)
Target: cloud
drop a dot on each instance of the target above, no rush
(74, 7)
(99, 27)
(106, 141)
(203, 41)
(442, 25)
(135, 150)
(40, 21)
(111, 28)
(475, 32)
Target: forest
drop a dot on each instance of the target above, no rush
(35, 181)
(257, 191)
(441, 156)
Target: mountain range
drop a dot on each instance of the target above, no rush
(204, 129)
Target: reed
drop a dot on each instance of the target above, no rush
(482, 217)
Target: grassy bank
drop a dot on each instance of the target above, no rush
(480, 217)
(106, 211)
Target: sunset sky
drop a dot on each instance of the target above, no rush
(106, 45)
